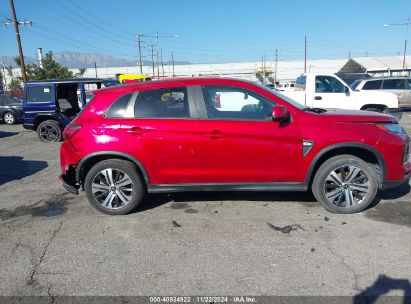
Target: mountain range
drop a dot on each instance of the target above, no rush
(74, 60)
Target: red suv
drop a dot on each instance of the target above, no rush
(217, 134)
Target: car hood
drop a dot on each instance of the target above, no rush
(358, 116)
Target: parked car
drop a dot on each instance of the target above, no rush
(172, 135)
(400, 86)
(11, 110)
(330, 91)
(50, 105)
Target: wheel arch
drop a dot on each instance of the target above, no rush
(43, 117)
(363, 151)
(90, 160)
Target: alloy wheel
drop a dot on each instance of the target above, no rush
(347, 186)
(49, 133)
(112, 188)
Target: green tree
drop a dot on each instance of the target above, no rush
(80, 73)
(15, 83)
(51, 69)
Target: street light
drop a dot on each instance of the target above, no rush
(406, 24)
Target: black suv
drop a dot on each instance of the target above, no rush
(50, 105)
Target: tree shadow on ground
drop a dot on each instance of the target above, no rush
(382, 286)
(15, 168)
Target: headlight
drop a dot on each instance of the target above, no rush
(392, 128)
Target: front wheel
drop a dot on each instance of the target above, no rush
(345, 184)
(114, 187)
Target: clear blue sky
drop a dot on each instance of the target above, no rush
(212, 30)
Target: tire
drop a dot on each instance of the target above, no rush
(9, 118)
(346, 193)
(49, 131)
(111, 199)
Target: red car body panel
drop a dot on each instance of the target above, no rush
(203, 151)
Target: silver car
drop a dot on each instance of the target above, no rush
(400, 86)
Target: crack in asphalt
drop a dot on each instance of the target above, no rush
(50, 295)
(348, 267)
(32, 280)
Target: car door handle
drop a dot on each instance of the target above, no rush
(137, 131)
(215, 134)
(318, 98)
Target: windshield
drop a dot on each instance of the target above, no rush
(278, 94)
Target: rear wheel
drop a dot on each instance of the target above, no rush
(49, 131)
(345, 184)
(9, 118)
(114, 187)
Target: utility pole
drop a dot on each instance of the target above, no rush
(95, 68)
(152, 58)
(275, 68)
(16, 28)
(162, 63)
(407, 24)
(158, 65)
(305, 53)
(172, 59)
(140, 63)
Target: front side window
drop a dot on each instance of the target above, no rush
(328, 84)
(236, 104)
(39, 94)
(372, 85)
(393, 84)
(162, 103)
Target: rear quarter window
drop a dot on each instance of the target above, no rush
(119, 107)
(39, 94)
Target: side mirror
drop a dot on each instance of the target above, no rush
(280, 113)
(347, 90)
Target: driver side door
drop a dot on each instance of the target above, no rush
(241, 143)
(330, 93)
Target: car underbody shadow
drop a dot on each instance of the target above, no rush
(156, 200)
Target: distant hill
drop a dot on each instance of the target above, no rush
(74, 60)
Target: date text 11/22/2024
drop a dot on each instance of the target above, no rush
(203, 299)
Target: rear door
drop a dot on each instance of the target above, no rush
(241, 142)
(39, 99)
(164, 135)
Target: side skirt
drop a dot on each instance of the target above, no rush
(228, 187)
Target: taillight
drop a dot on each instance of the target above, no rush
(70, 131)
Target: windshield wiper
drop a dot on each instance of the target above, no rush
(315, 110)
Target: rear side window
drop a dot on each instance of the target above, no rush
(393, 84)
(119, 107)
(372, 85)
(162, 103)
(39, 94)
